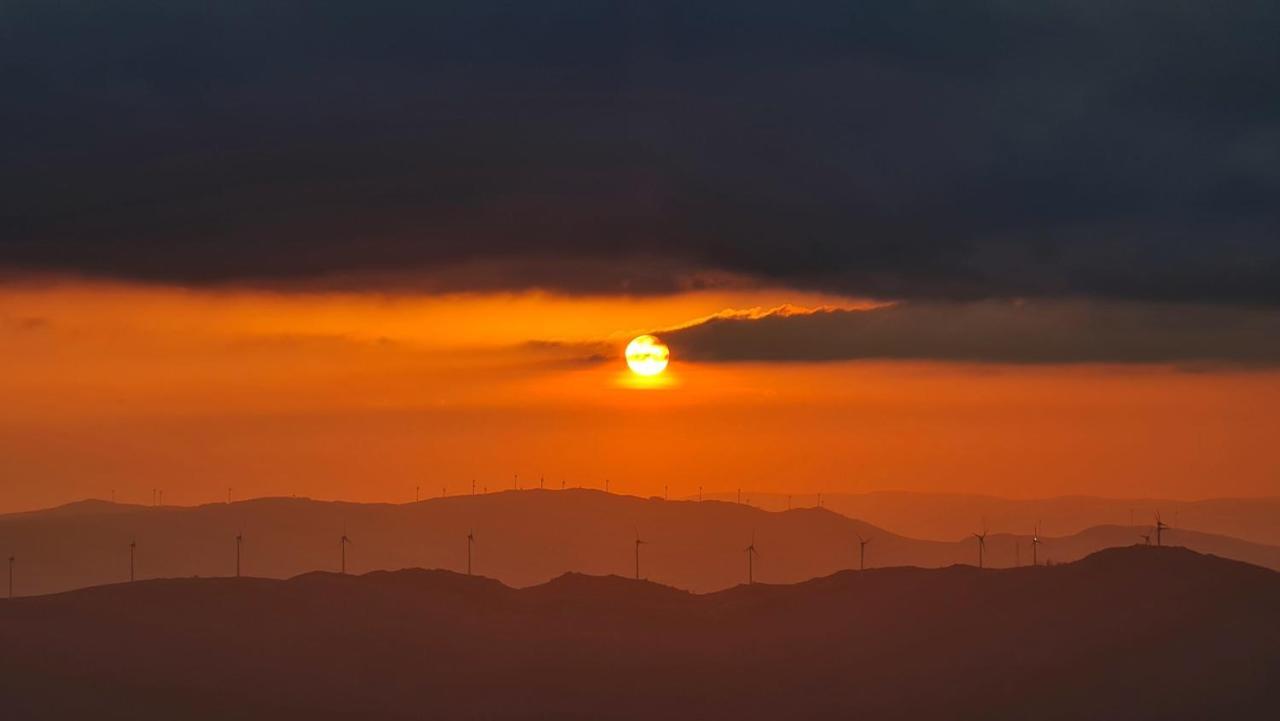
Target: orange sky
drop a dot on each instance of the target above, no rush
(363, 397)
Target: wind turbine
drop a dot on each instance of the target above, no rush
(639, 543)
(11, 559)
(862, 552)
(471, 541)
(133, 545)
(1160, 529)
(751, 557)
(343, 544)
(982, 545)
(1146, 538)
(1035, 544)
(239, 540)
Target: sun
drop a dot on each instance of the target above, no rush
(647, 356)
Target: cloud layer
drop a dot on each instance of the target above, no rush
(991, 332)
(930, 149)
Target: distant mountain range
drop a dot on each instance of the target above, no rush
(1139, 633)
(522, 538)
(948, 516)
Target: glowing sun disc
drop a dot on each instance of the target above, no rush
(647, 356)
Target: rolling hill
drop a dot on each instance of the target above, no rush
(1133, 633)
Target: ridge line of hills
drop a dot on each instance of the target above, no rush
(523, 538)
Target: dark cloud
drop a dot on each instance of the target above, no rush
(992, 332)
(925, 149)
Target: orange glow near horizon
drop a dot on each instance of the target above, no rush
(348, 396)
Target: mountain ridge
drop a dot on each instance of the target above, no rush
(522, 538)
(1136, 633)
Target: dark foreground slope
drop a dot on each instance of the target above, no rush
(1132, 633)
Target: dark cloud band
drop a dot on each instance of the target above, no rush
(940, 149)
(992, 332)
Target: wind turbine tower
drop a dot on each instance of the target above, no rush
(639, 543)
(982, 545)
(239, 540)
(471, 541)
(343, 544)
(751, 558)
(1161, 526)
(1035, 545)
(133, 546)
(11, 559)
(862, 552)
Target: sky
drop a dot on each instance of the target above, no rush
(341, 251)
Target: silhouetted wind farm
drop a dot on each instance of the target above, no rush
(534, 536)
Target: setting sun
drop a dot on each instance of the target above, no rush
(647, 356)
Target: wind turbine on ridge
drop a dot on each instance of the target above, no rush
(239, 540)
(639, 543)
(343, 543)
(11, 560)
(133, 546)
(471, 541)
(862, 552)
(1035, 545)
(751, 557)
(1160, 528)
(982, 544)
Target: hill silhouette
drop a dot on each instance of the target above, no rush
(1128, 633)
(947, 516)
(523, 538)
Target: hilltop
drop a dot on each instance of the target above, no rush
(523, 538)
(1133, 633)
(947, 516)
